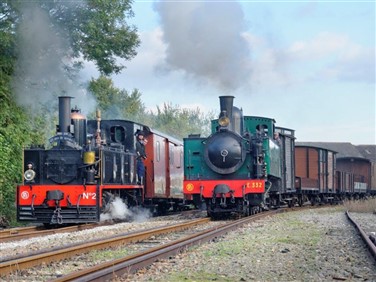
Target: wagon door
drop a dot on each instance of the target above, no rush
(160, 166)
(331, 169)
(176, 171)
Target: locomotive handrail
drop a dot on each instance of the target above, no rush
(87, 165)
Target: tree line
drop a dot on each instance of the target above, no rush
(36, 33)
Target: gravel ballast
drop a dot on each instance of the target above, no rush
(311, 245)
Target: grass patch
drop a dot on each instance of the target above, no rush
(229, 248)
(198, 276)
(109, 254)
(365, 206)
(288, 231)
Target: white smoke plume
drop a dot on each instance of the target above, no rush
(43, 58)
(119, 211)
(204, 39)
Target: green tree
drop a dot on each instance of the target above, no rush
(98, 32)
(133, 108)
(98, 29)
(12, 120)
(7, 50)
(180, 122)
(116, 103)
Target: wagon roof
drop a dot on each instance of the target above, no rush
(146, 128)
(368, 151)
(317, 145)
(345, 149)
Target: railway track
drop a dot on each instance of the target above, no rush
(134, 262)
(27, 261)
(8, 232)
(14, 234)
(128, 264)
(21, 233)
(367, 239)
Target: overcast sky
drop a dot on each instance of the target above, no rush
(310, 65)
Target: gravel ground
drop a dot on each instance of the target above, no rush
(313, 245)
(10, 249)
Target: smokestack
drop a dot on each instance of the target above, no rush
(64, 113)
(226, 103)
(79, 126)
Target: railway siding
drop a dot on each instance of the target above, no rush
(311, 245)
(366, 220)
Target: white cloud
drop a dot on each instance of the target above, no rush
(324, 44)
(331, 56)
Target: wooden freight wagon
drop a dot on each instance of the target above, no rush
(369, 152)
(315, 171)
(359, 176)
(355, 176)
(351, 185)
(344, 182)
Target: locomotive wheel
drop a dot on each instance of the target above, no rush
(289, 203)
(300, 201)
(214, 216)
(208, 213)
(107, 199)
(246, 210)
(313, 201)
(250, 210)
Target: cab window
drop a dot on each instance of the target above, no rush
(117, 134)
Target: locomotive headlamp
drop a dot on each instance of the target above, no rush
(224, 121)
(29, 174)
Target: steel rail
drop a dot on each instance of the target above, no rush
(17, 230)
(17, 264)
(19, 233)
(370, 245)
(35, 231)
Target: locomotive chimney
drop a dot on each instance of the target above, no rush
(226, 103)
(64, 113)
(79, 126)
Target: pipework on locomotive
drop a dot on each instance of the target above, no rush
(88, 164)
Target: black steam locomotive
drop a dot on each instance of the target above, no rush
(87, 165)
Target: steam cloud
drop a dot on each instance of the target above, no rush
(41, 70)
(120, 211)
(204, 39)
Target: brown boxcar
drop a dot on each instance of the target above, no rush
(344, 182)
(350, 184)
(369, 152)
(315, 167)
(354, 175)
(355, 168)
